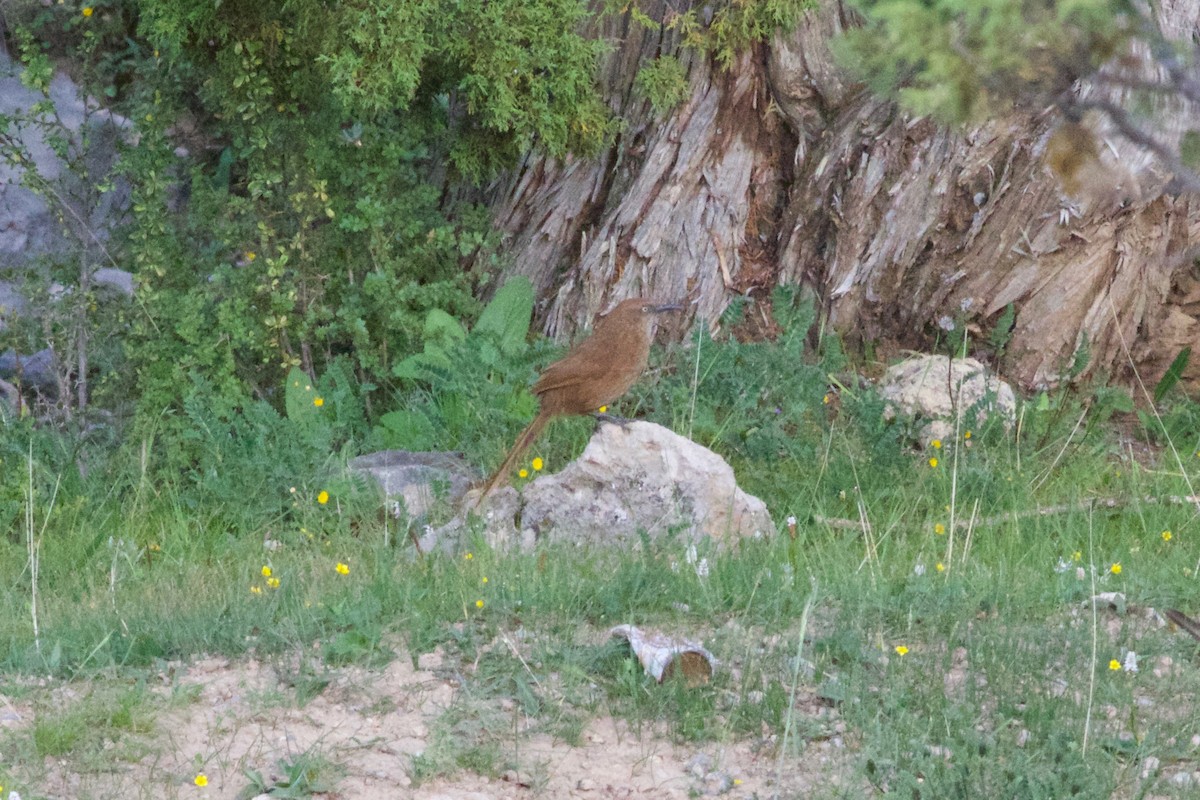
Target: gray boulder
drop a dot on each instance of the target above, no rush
(632, 480)
(938, 390)
(416, 480)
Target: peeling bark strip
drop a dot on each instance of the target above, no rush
(648, 217)
(782, 171)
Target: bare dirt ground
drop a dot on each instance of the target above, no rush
(239, 716)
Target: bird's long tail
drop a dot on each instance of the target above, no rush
(527, 438)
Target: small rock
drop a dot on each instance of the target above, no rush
(698, 765)
(1185, 780)
(1150, 765)
(418, 479)
(936, 388)
(718, 782)
(585, 785)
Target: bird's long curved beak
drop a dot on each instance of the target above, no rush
(669, 307)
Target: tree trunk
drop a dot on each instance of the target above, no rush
(780, 170)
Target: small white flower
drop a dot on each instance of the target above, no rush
(1130, 664)
(791, 520)
(1062, 566)
(919, 569)
(690, 556)
(702, 568)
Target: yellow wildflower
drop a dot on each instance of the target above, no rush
(255, 590)
(479, 604)
(1166, 536)
(933, 462)
(87, 11)
(1114, 664)
(1077, 555)
(323, 497)
(200, 780)
(901, 650)
(537, 464)
(940, 567)
(266, 571)
(273, 583)
(468, 556)
(1115, 569)
(939, 529)
(936, 444)
(523, 473)
(342, 569)
(318, 401)
(967, 435)
(603, 409)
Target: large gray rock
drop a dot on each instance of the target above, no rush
(418, 480)
(642, 478)
(938, 390)
(29, 227)
(38, 371)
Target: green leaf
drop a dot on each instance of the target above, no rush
(407, 429)
(507, 316)
(298, 397)
(1172, 375)
(442, 329)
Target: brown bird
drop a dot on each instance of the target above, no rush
(594, 373)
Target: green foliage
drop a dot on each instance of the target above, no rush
(964, 60)
(1174, 372)
(464, 386)
(760, 399)
(663, 82)
(305, 775)
(723, 28)
(506, 318)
